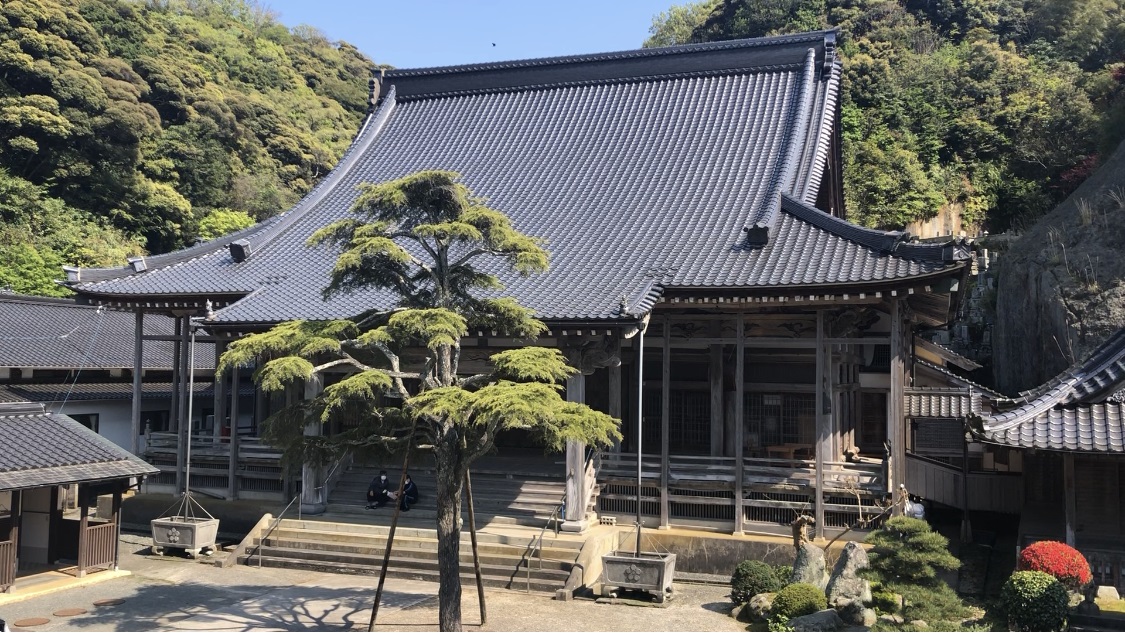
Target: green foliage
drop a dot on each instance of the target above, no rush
(140, 118)
(678, 24)
(796, 600)
(220, 222)
(1033, 601)
(751, 578)
(981, 105)
(937, 604)
(885, 602)
(906, 550)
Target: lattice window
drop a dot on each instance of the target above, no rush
(779, 418)
(689, 421)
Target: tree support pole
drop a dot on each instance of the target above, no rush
(476, 556)
(390, 538)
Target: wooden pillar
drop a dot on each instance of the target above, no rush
(823, 423)
(739, 418)
(1068, 497)
(314, 496)
(966, 526)
(613, 383)
(14, 533)
(116, 519)
(575, 518)
(174, 405)
(896, 424)
(138, 371)
(182, 423)
(665, 419)
(232, 465)
(218, 387)
(83, 523)
(716, 375)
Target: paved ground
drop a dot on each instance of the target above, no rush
(178, 594)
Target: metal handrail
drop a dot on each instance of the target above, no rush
(277, 520)
(536, 543)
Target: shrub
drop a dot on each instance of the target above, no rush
(885, 602)
(783, 573)
(796, 600)
(1059, 560)
(907, 550)
(751, 578)
(1033, 601)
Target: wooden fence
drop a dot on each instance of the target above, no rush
(100, 547)
(7, 565)
(702, 490)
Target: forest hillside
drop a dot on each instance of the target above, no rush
(129, 127)
(998, 108)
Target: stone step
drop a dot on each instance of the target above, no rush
(514, 581)
(498, 556)
(345, 541)
(361, 530)
(421, 515)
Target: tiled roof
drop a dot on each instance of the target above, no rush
(83, 392)
(959, 381)
(43, 449)
(939, 402)
(645, 171)
(1078, 410)
(58, 333)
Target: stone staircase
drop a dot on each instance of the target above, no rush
(507, 561)
(515, 502)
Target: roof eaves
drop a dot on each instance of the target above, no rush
(824, 133)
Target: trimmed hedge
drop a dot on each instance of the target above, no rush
(796, 600)
(751, 578)
(1060, 560)
(1034, 601)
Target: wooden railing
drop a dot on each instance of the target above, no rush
(942, 483)
(7, 565)
(100, 547)
(774, 490)
(258, 469)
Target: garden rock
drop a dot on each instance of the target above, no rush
(845, 583)
(851, 611)
(826, 620)
(736, 612)
(891, 618)
(758, 609)
(919, 624)
(809, 566)
(1108, 592)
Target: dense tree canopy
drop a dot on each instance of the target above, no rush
(124, 124)
(999, 107)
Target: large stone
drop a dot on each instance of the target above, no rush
(758, 609)
(845, 583)
(1108, 592)
(826, 620)
(854, 613)
(809, 566)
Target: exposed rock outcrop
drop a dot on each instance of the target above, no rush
(1061, 285)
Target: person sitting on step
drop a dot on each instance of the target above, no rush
(409, 494)
(378, 493)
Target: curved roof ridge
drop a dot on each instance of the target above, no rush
(1104, 358)
(811, 36)
(763, 225)
(885, 241)
(828, 120)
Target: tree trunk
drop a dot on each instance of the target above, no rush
(450, 479)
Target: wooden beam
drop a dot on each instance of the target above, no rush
(896, 431)
(1071, 511)
(232, 465)
(665, 421)
(739, 420)
(716, 375)
(138, 371)
(822, 425)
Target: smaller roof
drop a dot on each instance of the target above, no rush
(1078, 410)
(84, 392)
(946, 354)
(941, 402)
(47, 449)
(38, 332)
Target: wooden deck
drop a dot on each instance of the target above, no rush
(702, 490)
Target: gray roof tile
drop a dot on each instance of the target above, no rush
(58, 333)
(641, 169)
(43, 449)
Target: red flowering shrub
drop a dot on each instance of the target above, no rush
(1059, 560)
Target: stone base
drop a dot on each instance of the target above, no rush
(313, 508)
(575, 526)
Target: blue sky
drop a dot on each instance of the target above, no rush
(409, 34)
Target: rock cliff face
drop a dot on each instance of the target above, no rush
(1061, 285)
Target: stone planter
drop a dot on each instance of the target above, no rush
(651, 572)
(192, 534)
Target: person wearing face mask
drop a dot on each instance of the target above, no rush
(378, 491)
